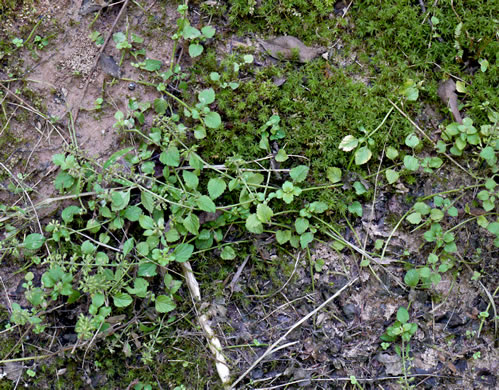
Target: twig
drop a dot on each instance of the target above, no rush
(272, 348)
(213, 341)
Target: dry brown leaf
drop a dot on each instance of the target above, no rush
(286, 46)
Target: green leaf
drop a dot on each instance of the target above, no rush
(411, 163)
(151, 65)
(190, 32)
(143, 248)
(147, 270)
(264, 213)
(403, 314)
(436, 214)
(69, 212)
(414, 218)
(253, 224)
(213, 120)
(164, 304)
(183, 252)
(487, 153)
(283, 236)
(305, 239)
(33, 241)
(299, 173)
(206, 96)
(87, 248)
(133, 213)
(206, 204)
(411, 278)
(391, 153)
(190, 178)
(119, 200)
(334, 174)
(301, 225)
(208, 31)
(195, 50)
(160, 106)
(128, 246)
(146, 222)
(412, 140)
(147, 200)
(348, 143)
(355, 208)
(421, 208)
(191, 223)
(362, 155)
(359, 188)
(228, 253)
(391, 176)
(281, 155)
(122, 300)
(493, 228)
(170, 157)
(216, 187)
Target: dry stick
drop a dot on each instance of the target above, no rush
(213, 341)
(94, 66)
(296, 325)
(429, 139)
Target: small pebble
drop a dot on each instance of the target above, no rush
(131, 86)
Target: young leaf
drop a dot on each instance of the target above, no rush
(33, 241)
(206, 204)
(391, 176)
(299, 173)
(283, 236)
(301, 224)
(206, 96)
(208, 31)
(183, 252)
(122, 300)
(228, 253)
(253, 224)
(146, 222)
(170, 157)
(348, 143)
(334, 174)
(414, 218)
(402, 315)
(264, 213)
(411, 163)
(213, 120)
(411, 278)
(363, 155)
(164, 304)
(216, 187)
(305, 239)
(191, 180)
(191, 223)
(195, 50)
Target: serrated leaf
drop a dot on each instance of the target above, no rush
(33, 241)
(348, 143)
(151, 65)
(133, 213)
(147, 200)
(191, 223)
(213, 120)
(362, 155)
(190, 179)
(411, 163)
(128, 246)
(183, 252)
(119, 200)
(283, 236)
(216, 187)
(160, 106)
(305, 239)
(264, 213)
(164, 304)
(299, 173)
(414, 218)
(195, 50)
(334, 174)
(301, 225)
(228, 253)
(122, 300)
(403, 314)
(147, 270)
(146, 222)
(170, 157)
(391, 176)
(253, 224)
(206, 204)
(69, 212)
(206, 96)
(411, 278)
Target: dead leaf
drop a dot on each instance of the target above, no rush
(286, 47)
(392, 363)
(109, 65)
(446, 92)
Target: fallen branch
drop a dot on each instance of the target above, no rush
(213, 341)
